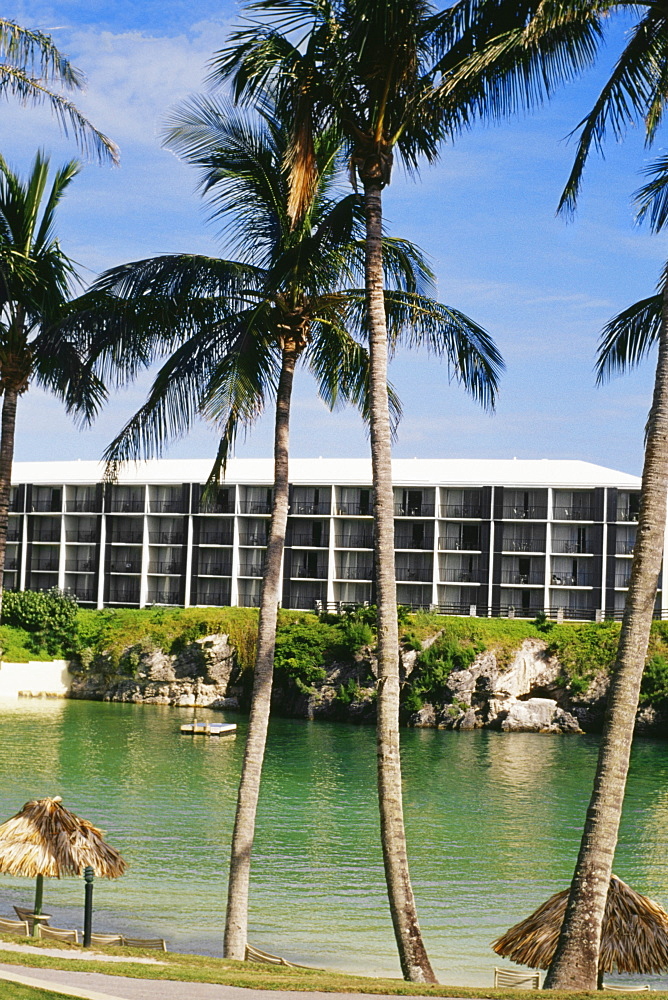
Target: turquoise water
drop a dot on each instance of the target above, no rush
(493, 822)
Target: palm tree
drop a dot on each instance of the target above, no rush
(30, 67)
(379, 74)
(625, 341)
(36, 280)
(244, 326)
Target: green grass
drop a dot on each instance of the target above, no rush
(14, 991)
(203, 969)
(15, 646)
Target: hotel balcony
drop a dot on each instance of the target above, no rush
(461, 510)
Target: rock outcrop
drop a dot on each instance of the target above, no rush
(523, 696)
(200, 675)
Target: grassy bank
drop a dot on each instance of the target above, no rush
(114, 640)
(202, 969)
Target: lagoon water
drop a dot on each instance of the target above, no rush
(493, 823)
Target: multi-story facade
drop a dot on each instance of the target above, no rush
(471, 536)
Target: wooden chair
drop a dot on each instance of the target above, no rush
(627, 989)
(9, 926)
(57, 934)
(517, 980)
(106, 940)
(157, 943)
(25, 914)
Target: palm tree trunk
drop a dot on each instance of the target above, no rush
(236, 925)
(415, 963)
(575, 964)
(7, 432)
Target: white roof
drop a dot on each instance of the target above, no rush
(353, 471)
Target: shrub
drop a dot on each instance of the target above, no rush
(49, 616)
(654, 686)
(302, 647)
(428, 681)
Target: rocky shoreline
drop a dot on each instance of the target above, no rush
(529, 692)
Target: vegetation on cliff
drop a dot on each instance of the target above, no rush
(112, 641)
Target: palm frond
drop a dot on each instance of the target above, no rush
(651, 199)
(628, 338)
(92, 143)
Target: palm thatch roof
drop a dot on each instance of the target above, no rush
(634, 936)
(45, 838)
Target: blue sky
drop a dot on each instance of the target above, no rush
(485, 215)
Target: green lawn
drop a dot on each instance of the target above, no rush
(203, 969)
(12, 991)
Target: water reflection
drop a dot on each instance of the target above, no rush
(493, 823)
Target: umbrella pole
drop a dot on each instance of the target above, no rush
(37, 909)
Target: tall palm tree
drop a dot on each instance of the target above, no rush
(242, 328)
(626, 340)
(36, 281)
(30, 67)
(383, 75)
(634, 93)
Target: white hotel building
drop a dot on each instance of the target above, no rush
(471, 536)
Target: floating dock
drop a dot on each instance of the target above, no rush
(209, 728)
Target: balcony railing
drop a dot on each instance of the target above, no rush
(300, 572)
(164, 597)
(248, 599)
(354, 541)
(628, 515)
(571, 580)
(624, 548)
(165, 506)
(309, 542)
(216, 569)
(215, 507)
(514, 577)
(127, 537)
(125, 566)
(355, 573)
(524, 545)
(413, 543)
(47, 536)
(533, 512)
(88, 506)
(165, 567)
(304, 507)
(80, 566)
(47, 565)
(215, 538)
(252, 538)
(165, 537)
(118, 506)
(125, 596)
(86, 594)
(13, 535)
(414, 510)
(461, 510)
(251, 569)
(622, 581)
(568, 513)
(408, 573)
(46, 506)
(571, 546)
(255, 506)
(219, 597)
(360, 509)
(460, 576)
(83, 535)
(455, 544)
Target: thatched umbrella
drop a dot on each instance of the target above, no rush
(634, 936)
(45, 838)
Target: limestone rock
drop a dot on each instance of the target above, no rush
(538, 715)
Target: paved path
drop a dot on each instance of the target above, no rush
(96, 986)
